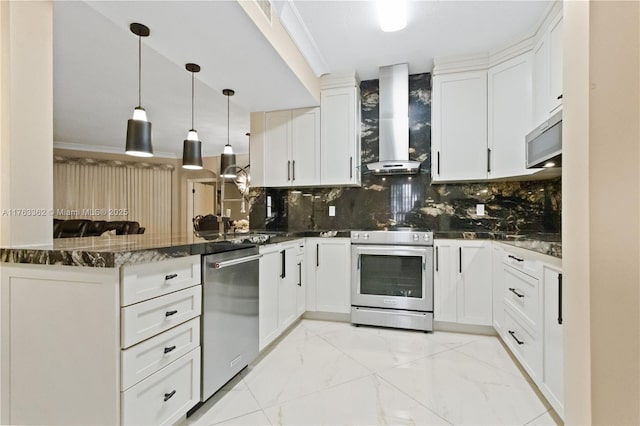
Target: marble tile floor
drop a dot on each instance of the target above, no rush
(332, 373)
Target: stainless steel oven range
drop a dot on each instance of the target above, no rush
(392, 279)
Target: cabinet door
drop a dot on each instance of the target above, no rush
(540, 82)
(444, 284)
(474, 282)
(459, 126)
(333, 278)
(555, 64)
(301, 302)
(288, 273)
(340, 136)
(277, 138)
(268, 297)
(510, 116)
(498, 288)
(553, 370)
(305, 146)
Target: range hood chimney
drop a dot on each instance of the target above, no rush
(394, 123)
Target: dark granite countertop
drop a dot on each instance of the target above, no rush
(549, 244)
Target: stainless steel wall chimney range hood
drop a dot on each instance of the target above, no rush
(394, 123)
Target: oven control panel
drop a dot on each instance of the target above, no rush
(414, 238)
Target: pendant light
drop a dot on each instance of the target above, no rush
(192, 149)
(138, 128)
(228, 158)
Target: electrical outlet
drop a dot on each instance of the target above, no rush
(479, 209)
(332, 210)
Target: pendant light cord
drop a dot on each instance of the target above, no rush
(228, 120)
(139, 71)
(192, 99)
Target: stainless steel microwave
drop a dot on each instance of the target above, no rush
(544, 144)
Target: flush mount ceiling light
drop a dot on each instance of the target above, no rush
(392, 15)
(138, 128)
(192, 149)
(228, 158)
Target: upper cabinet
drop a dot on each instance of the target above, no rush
(547, 71)
(285, 147)
(484, 106)
(310, 146)
(459, 126)
(340, 130)
(509, 116)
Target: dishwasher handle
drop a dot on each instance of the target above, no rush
(232, 262)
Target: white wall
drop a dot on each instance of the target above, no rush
(601, 207)
(26, 126)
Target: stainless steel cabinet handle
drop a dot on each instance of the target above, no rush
(224, 264)
(514, 291)
(488, 160)
(513, 334)
(299, 274)
(460, 256)
(559, 298)
(516, 258)
(437, 259)
(167, 396)
(293, 166)
(350, 167)
(169, 349)
(317, 255)
(170, 277)
(438, 162)
(170, 313)
(288, 170)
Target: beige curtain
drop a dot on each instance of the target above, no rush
(113, 191)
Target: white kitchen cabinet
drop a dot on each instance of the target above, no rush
(340, 130)
(462, 284)
(279, 290)
(498, 287)
(553, 372)
(268, 294)
(287, 291)
(555, 64)
(301, 280)
(509, 116)
(459, 126)
(285, 146)
(547, 71)
(329, 275)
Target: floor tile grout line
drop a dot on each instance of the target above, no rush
(412, 398)
(237, 417)
(537, 417)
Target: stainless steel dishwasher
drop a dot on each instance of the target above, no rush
(229, 314)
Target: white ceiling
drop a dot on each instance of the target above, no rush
(95, 60)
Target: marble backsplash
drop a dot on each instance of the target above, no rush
(383, 202)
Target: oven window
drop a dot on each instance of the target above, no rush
(387, 275)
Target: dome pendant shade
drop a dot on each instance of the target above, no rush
(192, 155)
(226, 162)
(139, 138)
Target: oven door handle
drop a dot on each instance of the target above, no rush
(224, 264)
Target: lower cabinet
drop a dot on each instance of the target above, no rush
(329, 275)
(280, 274)
(531, 309)
(462, 282)
(553, 373)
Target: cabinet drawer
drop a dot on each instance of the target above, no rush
(149, 280)
(523, 343)
(145, 358)
(521, 292)
(146, 319)
(528, 266)
(166, 396)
